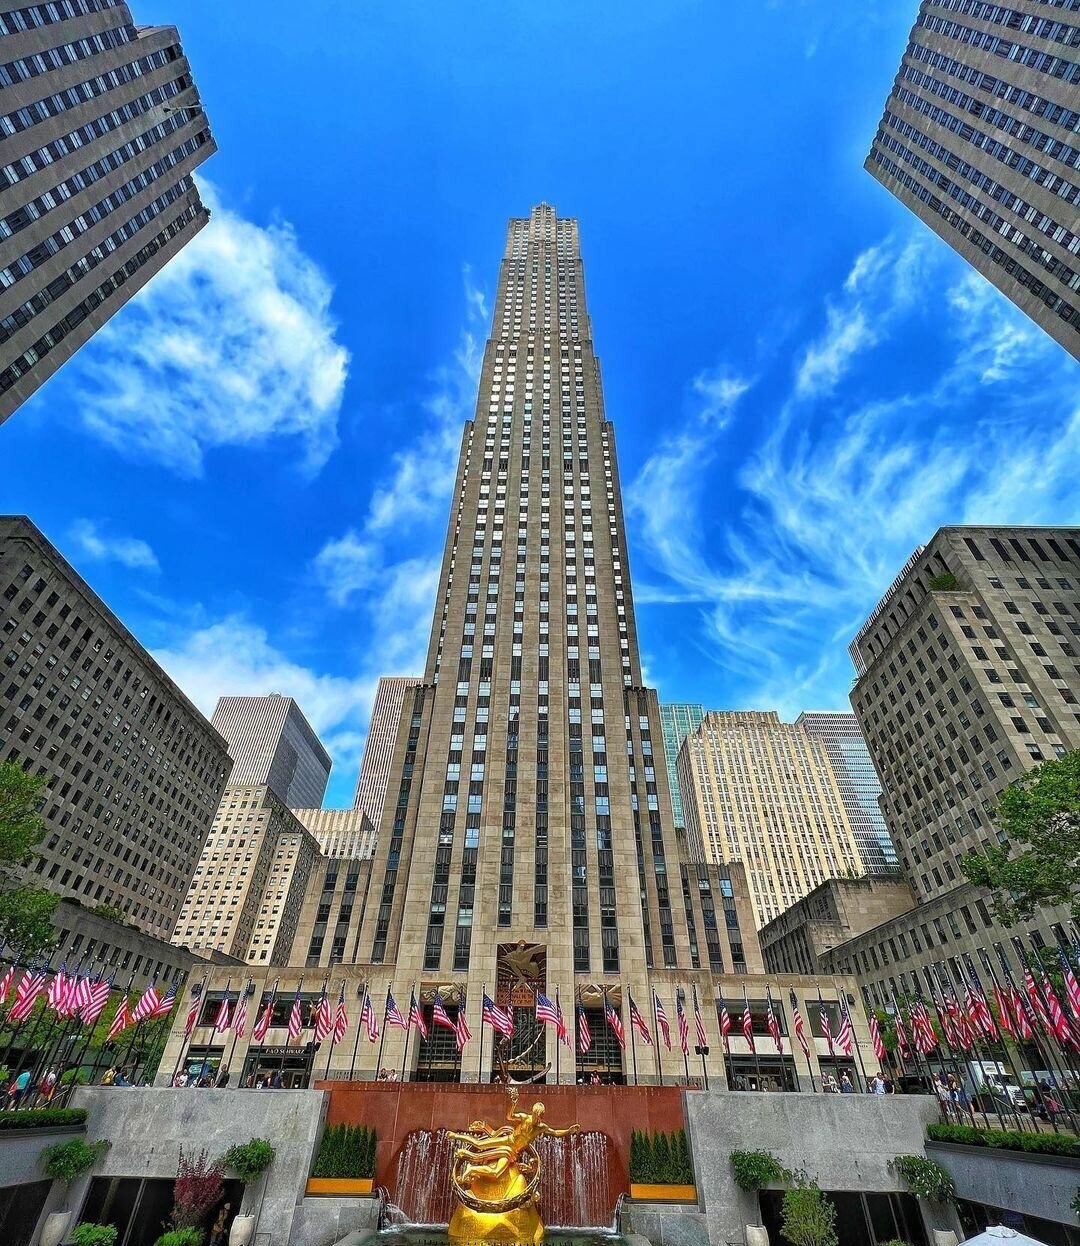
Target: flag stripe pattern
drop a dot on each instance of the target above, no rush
(500, 1019)
(584, 1034)
(662, 1020)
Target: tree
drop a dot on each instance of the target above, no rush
(21, 823)
(1039, 860)
(809, 1218)
(26, 921)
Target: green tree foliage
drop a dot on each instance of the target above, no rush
(660, 1158)
(94, 1234)
(924, 1178)
(25, 912)
(65, 1161)
(754, 1170)
(347, 1151)
(249, 1160)
(809, 1218)
(1039, 862)
(26, 921)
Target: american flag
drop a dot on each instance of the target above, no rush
(164, 1005)
(81, 996)
(684, 1028)
(262, 1026)
(31, 984)
(902, 1045)
(560, 1025)
(5, 983)
(461, 1027)
(1038, 1004)
(324, 1017)
(748, 1025)
(59, 992)
(638, 1022)
(439, 1015)
(983, 1017)
(97, 997)
(296, 1017)
(772, 1022)
(416, 1016)
(725, 1025)
(875, 1037)
(584, 1034)
(193, 1008)
(369, 1021)
(826, 1028)
(341, 1017)
(1072, 987)
(148, 1001)
(847, 1033)
(393, 1014)
(223, 1019)
(800, 1029)
(500, 1019)
(953, 1019)
(545, 1010)
(615, 1022)
(120, 1022)
(1062, 1031)
(1004, 1011)
(240, 1015)
(922, 1028)
(661, 1020)
(1024, 1027)
(699, 1024)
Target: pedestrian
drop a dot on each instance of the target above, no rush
(277, 1082)
(846, 1088)
(20, 1087)
(890, 1085)
(223, 1079)
(877, 1085)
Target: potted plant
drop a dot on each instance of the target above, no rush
(181, 1237)
(64, 1162)
(197, 1190)
(250, 1161)
(660, 1167)
(94, 1235)
(345, 1164)
(809, 1218)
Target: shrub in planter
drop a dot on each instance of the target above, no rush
(181, 1237)
(94, 1235)
(65, 1161)
(809, 1218)
(754, 1170)
(197, 1189)
(924, 1178)
(1006, 1139)
(346, 1151)
(249, 1160)
(43, 1118)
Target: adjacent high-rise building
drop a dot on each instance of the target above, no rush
(272, 744)
(134, 771)
(979, 140)
(340, 832)
(859, 786)
(677, 720)
(101, 128)
(968, 675)
(379, 745)
(763, 792)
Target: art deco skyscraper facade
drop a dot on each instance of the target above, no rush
(980, 140)
(272, 744)
(528, 797)
(379, 746)
(101, 128)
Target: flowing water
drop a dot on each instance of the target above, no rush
(575, 1185)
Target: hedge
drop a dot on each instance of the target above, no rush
(346, 1151)
(660, 1158)
(43, 1118)
(1006, 1140)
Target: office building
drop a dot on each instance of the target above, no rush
(102, 128)
(340, 832)
(979, 140)
(248, 887)
(859, 786)
(677, 721)
(379, 745)
(272, 744)
(328, 931)
(134, 771)
(968, 675)
(763, 792)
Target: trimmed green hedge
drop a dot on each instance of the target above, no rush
(1006, 1140)
(660, 1158)
(346, 1151)
(43, 1118)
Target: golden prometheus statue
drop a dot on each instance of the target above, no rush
(496, 1177)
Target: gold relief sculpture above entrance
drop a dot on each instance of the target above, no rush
(496, 1177)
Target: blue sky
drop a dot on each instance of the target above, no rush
(252, 463)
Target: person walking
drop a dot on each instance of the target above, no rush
(846, 1088)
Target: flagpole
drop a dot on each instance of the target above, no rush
(408, 1035)
(33, 1029)
(701, 1050)
(633, 1041)
(845, 1008)
(263, 1002)
(185, 1039)
(656, 1038)
(235, 1037)
(1048, 1056)
(805, 1051)
(480, 1053)
(49, 1053)
(382, 1033)
(460, 1047)
(105, 1046)
(1067, 1062)
(753, 1041)
(945, 1044)
(778, 1043)
(333, 1035)
(942, 970)
(682, 1041)
(76, 1064)
(1004, 1032)
(558, 1039)
(288, 1036)
(1033, 1024)
(359, 1027)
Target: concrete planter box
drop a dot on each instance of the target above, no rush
(340, 1187)
(648, 1192)
(1033, 1184)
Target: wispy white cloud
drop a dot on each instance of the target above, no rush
(845, 484)
(231, 344)
(87, 541)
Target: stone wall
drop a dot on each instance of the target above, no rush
(1035, 1185)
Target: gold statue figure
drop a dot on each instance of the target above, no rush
(496, 1177)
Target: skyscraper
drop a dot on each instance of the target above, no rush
(764, 792)
(677, 720)
(859, 786)
(102, 128)
(526, 801)
(379, 746)
(133, 771)
(272, 744)
(979, 140)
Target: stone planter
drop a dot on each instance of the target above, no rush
(55, 1228)
(649, 1192)
(241, 1231)
(339, 1187)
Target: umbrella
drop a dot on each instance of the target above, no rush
(1002, 1235)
